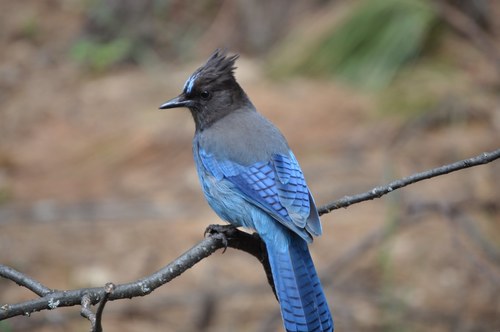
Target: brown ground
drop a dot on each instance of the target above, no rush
(97, 185)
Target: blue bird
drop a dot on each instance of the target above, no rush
(251, 178)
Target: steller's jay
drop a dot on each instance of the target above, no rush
(251, 178)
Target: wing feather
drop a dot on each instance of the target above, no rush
(276, 186)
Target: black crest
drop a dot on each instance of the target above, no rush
(219, 67)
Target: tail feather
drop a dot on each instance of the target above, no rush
(324, 311)
(303, 303)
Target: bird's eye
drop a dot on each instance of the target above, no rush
(205, 94)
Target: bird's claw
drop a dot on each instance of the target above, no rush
(222, 232)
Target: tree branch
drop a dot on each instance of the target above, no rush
(252, 244)
(141, 287)
(380, 191)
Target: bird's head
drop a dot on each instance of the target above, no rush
(211, 92)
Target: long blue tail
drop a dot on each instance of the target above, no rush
(303, 303)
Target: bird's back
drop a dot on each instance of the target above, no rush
(244, 137)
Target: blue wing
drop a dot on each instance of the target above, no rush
(276, 186)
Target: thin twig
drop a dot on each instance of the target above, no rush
(86, 302)
(86, 312)
(23, 280)
(109, 288)
(380, 191)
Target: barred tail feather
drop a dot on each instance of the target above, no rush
(303, 303)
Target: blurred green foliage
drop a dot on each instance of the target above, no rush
(5, 327)
(418, 88)
(5, 195)
(368, 47)
(30, 28)
(111, 33)
(129, 31)
(99, 56)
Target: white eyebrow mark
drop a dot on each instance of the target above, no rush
(188, 86)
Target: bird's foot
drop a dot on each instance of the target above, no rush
(222, 232)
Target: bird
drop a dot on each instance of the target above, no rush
(251, 178)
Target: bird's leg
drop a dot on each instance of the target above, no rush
(250, 243)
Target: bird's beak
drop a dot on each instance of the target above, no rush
(179, 101)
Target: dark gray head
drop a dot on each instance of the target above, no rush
(211, 92)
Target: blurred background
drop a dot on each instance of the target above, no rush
(98, 185)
